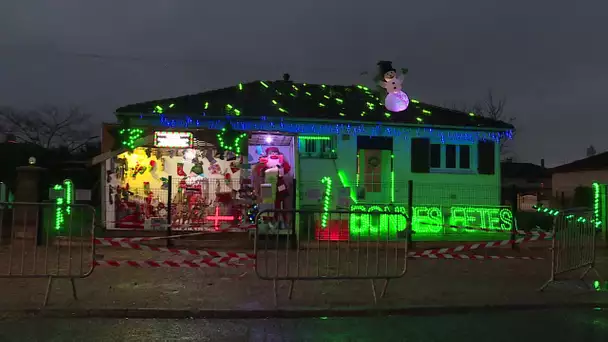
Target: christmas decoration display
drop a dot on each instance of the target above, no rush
(396, 100)
(180, 170)
(200, 184)
(209, 176)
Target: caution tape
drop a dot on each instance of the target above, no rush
(127, 243)
(483, 245)
(202, 263)
(474, 257)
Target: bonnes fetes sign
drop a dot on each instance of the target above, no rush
(173, 139)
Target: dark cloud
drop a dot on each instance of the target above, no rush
(546, 57)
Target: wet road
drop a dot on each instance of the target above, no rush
(577, 325)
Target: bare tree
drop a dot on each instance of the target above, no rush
(50, 127)
(493, 108)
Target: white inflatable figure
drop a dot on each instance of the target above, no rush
(396, 100)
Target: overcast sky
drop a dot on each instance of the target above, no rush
(549, 58)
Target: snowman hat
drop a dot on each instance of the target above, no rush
(386, 66)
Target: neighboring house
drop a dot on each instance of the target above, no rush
(341, 135)
(580, 173)
(526, 177)
(529, 183)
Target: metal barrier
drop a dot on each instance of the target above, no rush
(330, 245)
(573, 246)
(45, 240)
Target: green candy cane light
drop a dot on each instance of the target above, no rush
(63, 202)
(326, 201)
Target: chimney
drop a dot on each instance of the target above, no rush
(286, 77)
(542, 162)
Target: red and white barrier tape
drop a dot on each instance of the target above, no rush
(126, 243)
(475, 257)
(483, 245)
(168, 263)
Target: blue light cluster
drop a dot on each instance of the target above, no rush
(312, 128)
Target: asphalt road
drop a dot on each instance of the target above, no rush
(555, 325)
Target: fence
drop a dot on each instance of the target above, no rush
(330, 245)
(46, 240)
(573, 246)
(180, 205)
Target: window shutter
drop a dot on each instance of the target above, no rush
(486, 160)
(420, 155)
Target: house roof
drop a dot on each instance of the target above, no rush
(311, 101)
(596, 162)
(523, 170)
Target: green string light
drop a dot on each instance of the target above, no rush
(375, 220)
(392, 178)
(340, 97)
(63, 202)
(554, 212)
(313, 137)
(232, 110)
(234, 146)
(130, 137)
(69, 195)
(326, 201)
(596, 205)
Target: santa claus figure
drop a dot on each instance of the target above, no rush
(274, 168)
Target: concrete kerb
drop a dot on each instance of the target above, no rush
(147, 313)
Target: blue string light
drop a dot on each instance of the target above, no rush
(312, 128)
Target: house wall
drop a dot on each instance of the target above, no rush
(567, 182)
(437, 189)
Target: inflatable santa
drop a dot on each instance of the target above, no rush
(274, 168)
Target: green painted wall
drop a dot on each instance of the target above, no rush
(438, 189)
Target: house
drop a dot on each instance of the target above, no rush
(336, 147)
(579, 174)
(528, 183)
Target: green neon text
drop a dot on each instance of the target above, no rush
(378, 220)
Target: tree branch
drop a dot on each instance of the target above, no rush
(49, 126)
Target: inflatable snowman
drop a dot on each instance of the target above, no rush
(396, 100)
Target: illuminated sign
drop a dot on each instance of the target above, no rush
(173, 139)
(374, 220)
